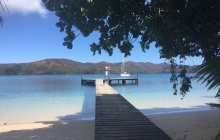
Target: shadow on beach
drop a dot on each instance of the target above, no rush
(70, 130)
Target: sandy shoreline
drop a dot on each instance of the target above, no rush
(195, 125)
(54, 130)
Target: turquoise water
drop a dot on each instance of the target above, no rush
(154, 95)
(62, 97)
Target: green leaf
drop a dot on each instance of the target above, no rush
(209, 72)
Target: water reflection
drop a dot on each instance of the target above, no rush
(88, 106)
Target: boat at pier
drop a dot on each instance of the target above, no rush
(123, 72)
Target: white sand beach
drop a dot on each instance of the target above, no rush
(54, 130)
(197, 125)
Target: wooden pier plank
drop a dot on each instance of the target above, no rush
(117, 119)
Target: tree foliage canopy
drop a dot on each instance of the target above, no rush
(4, 7)
(180, 28)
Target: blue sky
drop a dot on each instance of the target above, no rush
(29, 34)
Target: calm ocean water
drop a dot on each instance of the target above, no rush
(62, 97)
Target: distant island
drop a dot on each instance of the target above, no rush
(65, 66)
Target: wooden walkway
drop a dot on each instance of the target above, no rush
(117, 119)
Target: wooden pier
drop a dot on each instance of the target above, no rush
(122, 80)
(117, 119)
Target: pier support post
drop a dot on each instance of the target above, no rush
(136, 81)
(123, 81)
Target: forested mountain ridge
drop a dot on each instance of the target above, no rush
(65, 66)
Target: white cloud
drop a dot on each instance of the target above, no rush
(26, 7)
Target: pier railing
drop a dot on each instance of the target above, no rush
(122, 80)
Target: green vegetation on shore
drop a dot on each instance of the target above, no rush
(65, 66)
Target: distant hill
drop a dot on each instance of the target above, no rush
(65, 66)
